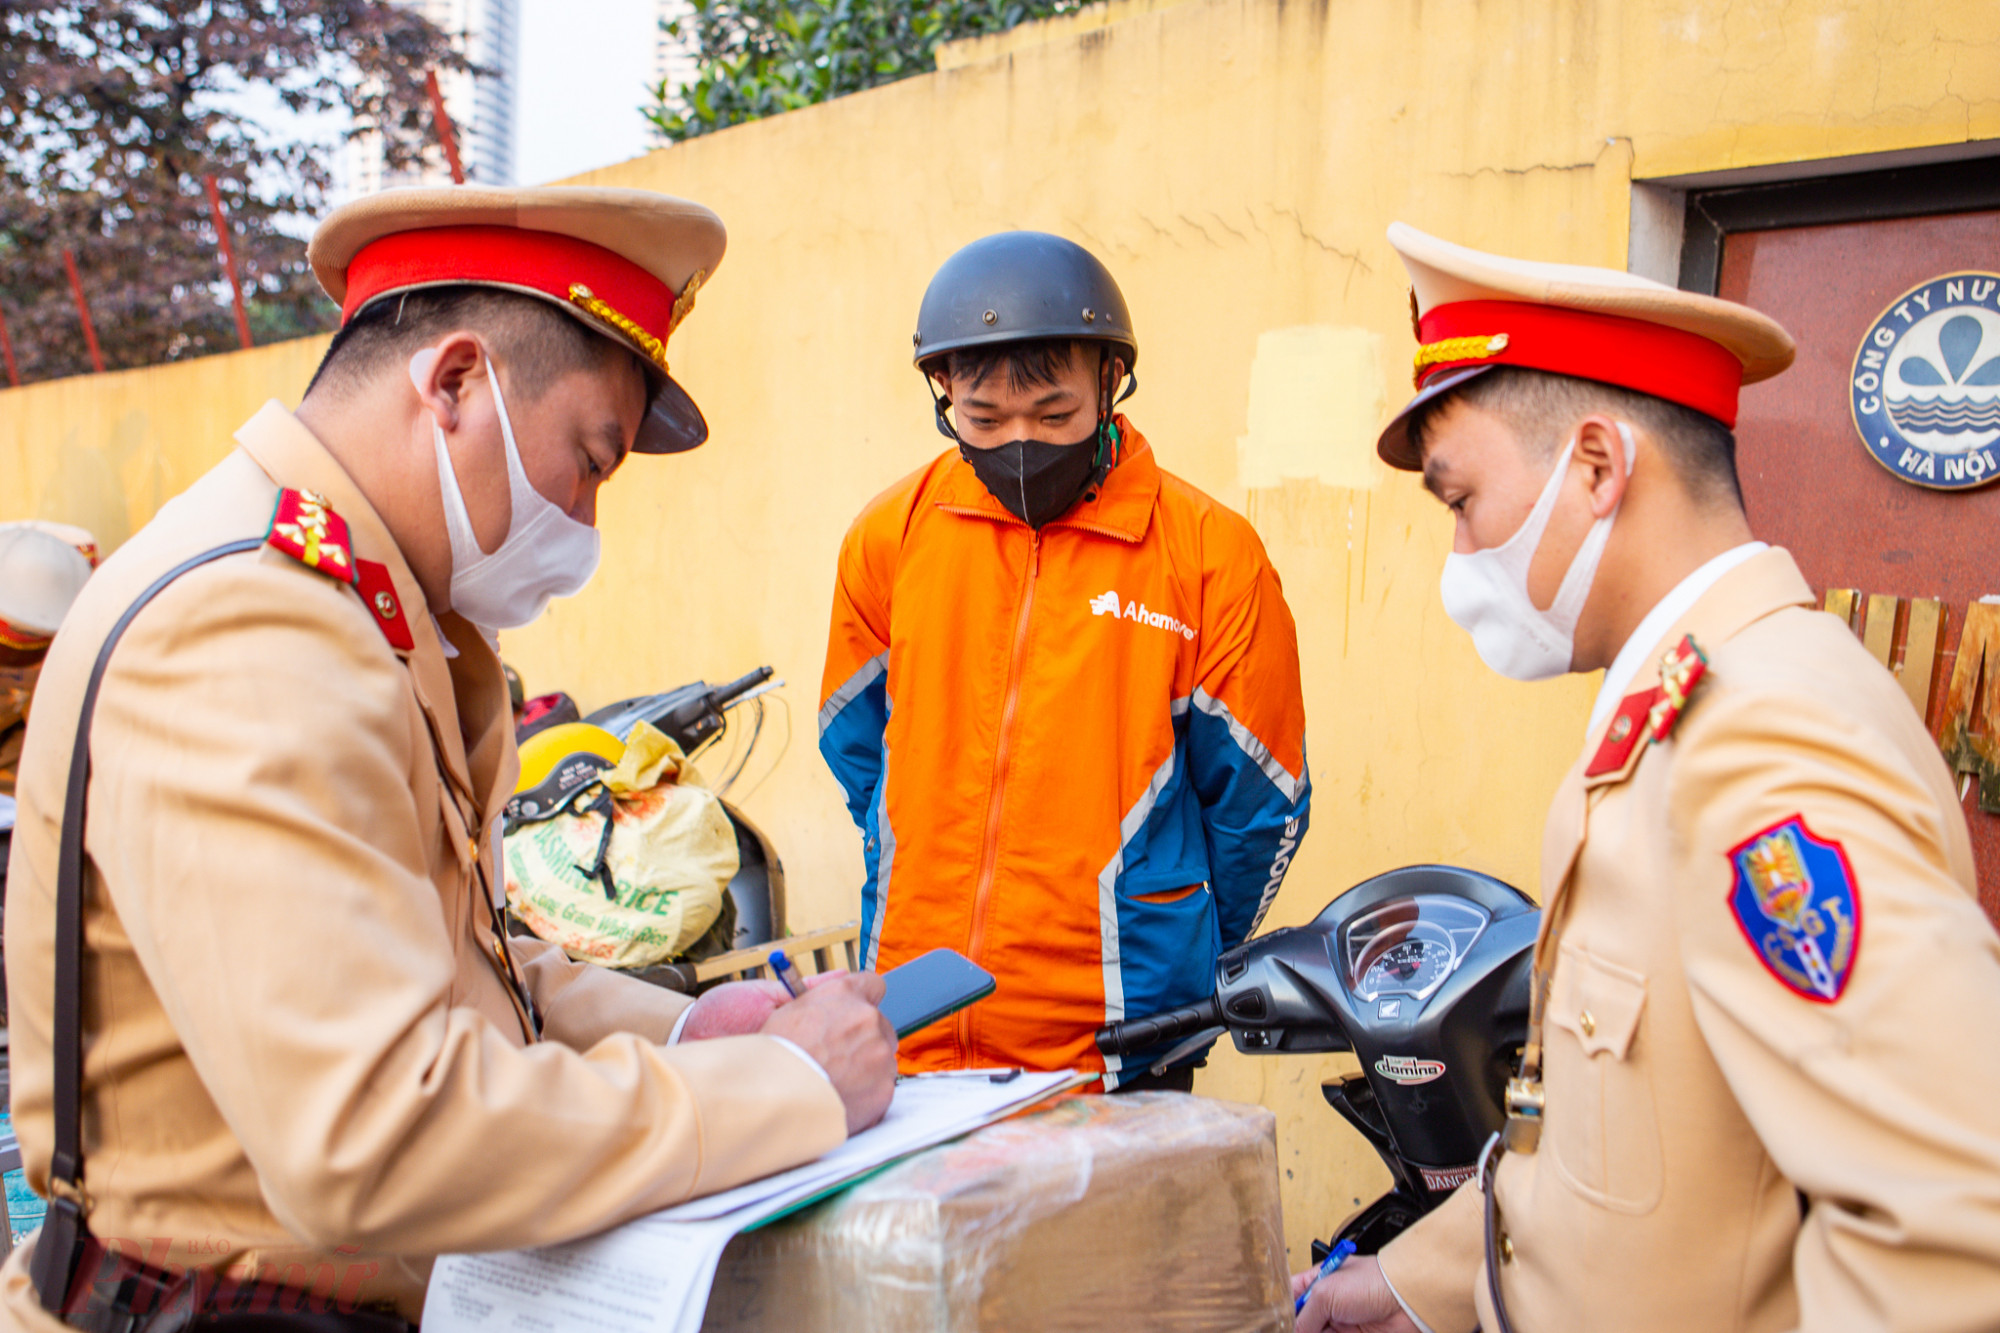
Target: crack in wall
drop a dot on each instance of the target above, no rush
(1353, 257)
(1160, 231)
(1519, 171)
(1184, 223)
(1223, 223)
(1199, 228)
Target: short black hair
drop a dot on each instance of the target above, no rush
(1541, 407)
(538, 342)
(1028, 362)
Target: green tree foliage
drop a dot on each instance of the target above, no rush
(760, 57)
(112, 112)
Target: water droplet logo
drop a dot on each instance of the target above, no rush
(1925, 389)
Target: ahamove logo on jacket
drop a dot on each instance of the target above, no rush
(1107, 604)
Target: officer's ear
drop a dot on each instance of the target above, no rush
(1600, 446)
(441, 372)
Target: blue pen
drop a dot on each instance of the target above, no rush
(1337, 1256)
(786, 973)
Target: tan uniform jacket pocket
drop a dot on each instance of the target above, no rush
(1602, 1125)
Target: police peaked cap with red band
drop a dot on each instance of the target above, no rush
(626, 263)
(1476, 311)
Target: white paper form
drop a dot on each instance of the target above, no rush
(925, 1111)
(654, 1273)
(641, 1276)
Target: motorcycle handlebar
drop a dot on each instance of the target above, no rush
(1132, 1035)
(724, 695)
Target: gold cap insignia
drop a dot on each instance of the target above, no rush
(653, 349)
(684, 303)
(1447, 350)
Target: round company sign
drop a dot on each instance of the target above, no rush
(1926, 384)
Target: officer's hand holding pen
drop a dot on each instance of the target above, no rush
(733, 1009)
(837, 1022)
(1355, 1299)
(832, 1017)
(737, 1008)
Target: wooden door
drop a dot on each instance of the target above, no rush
(1899, 528)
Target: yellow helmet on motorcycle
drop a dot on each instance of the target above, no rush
(557, 764)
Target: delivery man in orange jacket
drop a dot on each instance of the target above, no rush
(1062, 686)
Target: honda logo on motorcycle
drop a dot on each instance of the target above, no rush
(1406, 1069)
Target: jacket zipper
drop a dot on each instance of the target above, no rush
(989, 855)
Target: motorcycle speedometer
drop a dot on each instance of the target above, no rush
(1409, 946)
(1413, 967)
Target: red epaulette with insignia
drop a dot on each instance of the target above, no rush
(305, 528)
(378, 592)
(1651, 713)
(1680, 671)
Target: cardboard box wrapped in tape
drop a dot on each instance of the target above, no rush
(1153, 1210)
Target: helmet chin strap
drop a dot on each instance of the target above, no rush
(940, 404)
(1110, 442)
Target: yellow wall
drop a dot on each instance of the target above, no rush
(1235, 162)
(106, 451)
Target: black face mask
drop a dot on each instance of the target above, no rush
(1037, 481)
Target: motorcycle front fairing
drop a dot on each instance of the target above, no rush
(1423, 973)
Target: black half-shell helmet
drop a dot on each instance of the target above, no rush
(1019, 285)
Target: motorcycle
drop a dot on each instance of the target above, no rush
(697, 716)
(1424, 974)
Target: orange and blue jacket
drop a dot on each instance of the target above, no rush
(1076, 756)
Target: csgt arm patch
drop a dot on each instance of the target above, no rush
(1796, 901)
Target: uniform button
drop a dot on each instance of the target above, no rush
(1588, 1022)
(1506, 1248)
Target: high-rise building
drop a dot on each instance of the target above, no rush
(481, 107)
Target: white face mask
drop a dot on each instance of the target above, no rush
(545, 553)
(1486, 592)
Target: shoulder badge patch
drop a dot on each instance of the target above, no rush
(305, 528)
(1795, 899)
(378, 594)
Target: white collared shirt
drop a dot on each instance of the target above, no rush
(1657, 622)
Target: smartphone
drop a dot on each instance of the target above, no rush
(932, 986)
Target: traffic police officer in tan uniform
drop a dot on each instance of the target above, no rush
(310, 1060)
(1761, 1089)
